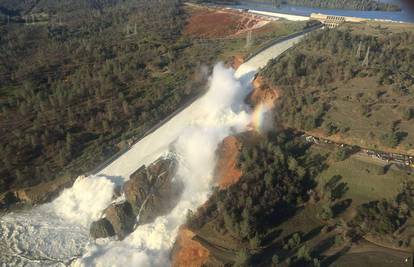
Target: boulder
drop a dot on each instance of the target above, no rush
(163, 197)
(137, 188)
(7, 199)
(150, 192)
(101, 229)
(122, 218)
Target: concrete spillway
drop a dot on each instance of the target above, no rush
(153, 145)
(55, 233)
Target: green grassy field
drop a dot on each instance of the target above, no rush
(362, 177)
(366, 129)
(365, 183)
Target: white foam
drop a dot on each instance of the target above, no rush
(85, 200)
(56, 232)
(219, 113)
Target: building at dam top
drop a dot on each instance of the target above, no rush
(334, 21)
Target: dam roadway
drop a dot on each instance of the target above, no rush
(146, 150)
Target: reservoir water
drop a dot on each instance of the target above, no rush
(405, 15)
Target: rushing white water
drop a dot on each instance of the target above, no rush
(54, 233)
(193, 136)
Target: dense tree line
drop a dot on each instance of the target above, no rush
(277, 173)
(71, 89)
(23, 7)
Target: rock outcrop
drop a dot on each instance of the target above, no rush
(38, 194)
(7, 199)
(102, 228)
(122, 218)
(137, 188)
(151, 192)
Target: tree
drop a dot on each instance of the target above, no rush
(69, 141)
(329, 127)
(390, 139)
(325, 212)
(242, 258)
(275, 259)
(303, 253)
(342, 153)
(406, 194)
(255, 241)
(379, 217)
(408, 114)
(338, 240)
(294, 241)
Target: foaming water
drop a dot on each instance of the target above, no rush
(219, 113)
(57, 234)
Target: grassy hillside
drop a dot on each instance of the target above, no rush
(366, 180)
(353, 84)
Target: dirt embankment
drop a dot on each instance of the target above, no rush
(188, 252)
(227, 172)
(235, 61)
(262, 93)
(214, 23)
(34, 195)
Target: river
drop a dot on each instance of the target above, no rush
(405, 15)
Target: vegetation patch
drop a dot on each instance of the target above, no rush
(348, 85)
(93, 77)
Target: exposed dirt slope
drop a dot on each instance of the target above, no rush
(188, 252)
(211, 23)
(262, 93)
(235, 61)
(227, 172)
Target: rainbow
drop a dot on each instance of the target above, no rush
(259, 116)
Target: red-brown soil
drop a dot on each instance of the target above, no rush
(235, 61)
(188, 252)
(262, 93)
(227, 172)
(211, 23)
